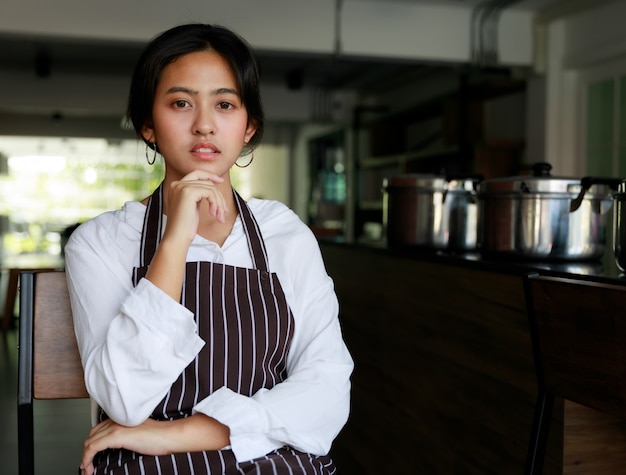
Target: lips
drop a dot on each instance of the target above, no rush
(205, 148)
(205, 151)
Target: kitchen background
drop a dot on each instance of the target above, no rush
(355, 90)
(455, 85)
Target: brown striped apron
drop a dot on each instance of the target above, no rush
(244, 318)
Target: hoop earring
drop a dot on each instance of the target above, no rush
(247, 164)
(151, 162)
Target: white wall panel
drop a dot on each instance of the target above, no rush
(381, 29)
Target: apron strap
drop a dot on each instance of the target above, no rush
(152, 225)
(255, 239)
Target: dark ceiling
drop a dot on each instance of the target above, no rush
(46, 56)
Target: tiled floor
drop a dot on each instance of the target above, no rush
(60, 426)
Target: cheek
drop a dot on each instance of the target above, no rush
(165, 126)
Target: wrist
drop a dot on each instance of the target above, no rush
(200, 432)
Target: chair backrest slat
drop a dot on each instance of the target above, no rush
(581, 337)
(57, 369)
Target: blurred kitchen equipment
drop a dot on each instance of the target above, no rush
(431, 211)
(544, 217)
(619, 226)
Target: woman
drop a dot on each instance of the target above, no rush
(207, 326)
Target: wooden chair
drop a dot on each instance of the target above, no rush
(578, 331)
(49, 365)
(12, 275)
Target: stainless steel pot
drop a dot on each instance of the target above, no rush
(619, 226)
(544, 217)
(431, 211)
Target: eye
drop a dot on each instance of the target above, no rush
(181, 104)
(224, 105)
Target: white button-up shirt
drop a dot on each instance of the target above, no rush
(135, 341)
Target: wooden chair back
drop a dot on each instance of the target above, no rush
(49, 365)
(578, 331)
(581, 339)
(57, 369)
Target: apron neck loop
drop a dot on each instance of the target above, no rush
(253, 234)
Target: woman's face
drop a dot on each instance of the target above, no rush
(198, 119)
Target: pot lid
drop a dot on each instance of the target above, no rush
(542, 182)
(433, 182)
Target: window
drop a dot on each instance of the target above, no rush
(604, 114)
(606, 127)
(48, 185)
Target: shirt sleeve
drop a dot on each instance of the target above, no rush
(309, 408)
(128, 337)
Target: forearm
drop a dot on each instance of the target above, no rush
(190, 434)
(197, 433)
(167, 268)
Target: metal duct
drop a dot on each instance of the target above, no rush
(484, 31)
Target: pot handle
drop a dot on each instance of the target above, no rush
(586, 183)
(476, 179)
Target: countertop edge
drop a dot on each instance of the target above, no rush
(604, 271)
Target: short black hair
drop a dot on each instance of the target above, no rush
(190, 38)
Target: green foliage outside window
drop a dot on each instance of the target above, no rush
(44, 194)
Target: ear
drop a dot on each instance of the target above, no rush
(147, 132)
(249, 131)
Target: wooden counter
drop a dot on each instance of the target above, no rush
(444, 379)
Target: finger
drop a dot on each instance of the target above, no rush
(101, 439)
(88, 454)
(216, 203)
(217, 206)
(88, 470)
(202, 175)
(200, 189)
(215, 210)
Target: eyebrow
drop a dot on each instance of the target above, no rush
(193, 92)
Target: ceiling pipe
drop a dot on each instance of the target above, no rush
(338, 46)
(479, 39)
(484, 31)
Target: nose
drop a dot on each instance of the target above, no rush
(203, 122)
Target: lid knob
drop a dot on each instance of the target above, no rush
(541, 169)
